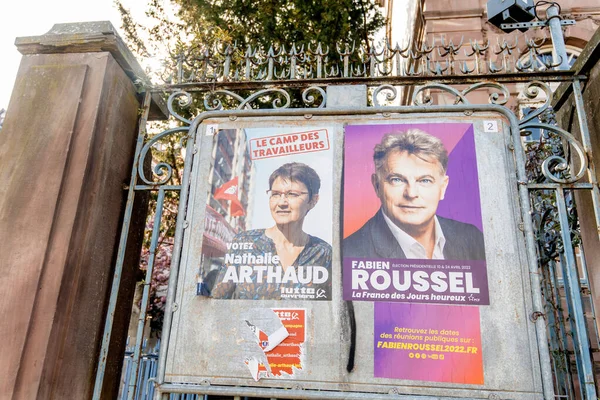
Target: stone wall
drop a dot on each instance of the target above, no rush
(66, 150)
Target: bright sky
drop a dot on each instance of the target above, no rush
(36, 17)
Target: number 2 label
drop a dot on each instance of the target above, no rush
(490, 126)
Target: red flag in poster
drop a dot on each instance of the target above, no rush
(229, 191)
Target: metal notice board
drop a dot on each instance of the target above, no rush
(288, 284)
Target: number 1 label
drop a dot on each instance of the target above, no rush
(212, 130)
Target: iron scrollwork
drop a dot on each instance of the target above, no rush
(499, 96)
(217, 104)
(217, 100)
(391, 96)
(555, 167)
(164, 170)
(309, 99)
(230, 63)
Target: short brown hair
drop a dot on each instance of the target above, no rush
(298, 172)
(413, 141)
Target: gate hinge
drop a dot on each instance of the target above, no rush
(535, 315)
(527, 25)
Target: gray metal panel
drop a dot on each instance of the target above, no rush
(204, 340)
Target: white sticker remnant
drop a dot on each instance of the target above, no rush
(268, 342)
(212, 130)
(490, 126)
(280, 334)
(253, 365)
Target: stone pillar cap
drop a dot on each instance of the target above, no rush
(90, 37)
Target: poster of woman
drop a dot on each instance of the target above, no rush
(273, 189)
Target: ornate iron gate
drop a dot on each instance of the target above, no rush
(230, 82)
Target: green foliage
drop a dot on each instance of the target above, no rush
(163, 35)
(264, 22)
(188, 24)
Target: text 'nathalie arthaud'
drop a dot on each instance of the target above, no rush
(376, 275)
(267, 269)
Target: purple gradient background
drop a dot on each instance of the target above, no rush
(456, 367)
(462, 200)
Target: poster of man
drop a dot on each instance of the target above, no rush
(276, 198)
(414, 196)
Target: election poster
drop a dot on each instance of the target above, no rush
(440, 343)
(412, 226)
(271, 215)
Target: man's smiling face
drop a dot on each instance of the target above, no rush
(410, 187)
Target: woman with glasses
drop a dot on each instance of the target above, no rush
(293, 192)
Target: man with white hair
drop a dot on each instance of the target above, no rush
(410, 180)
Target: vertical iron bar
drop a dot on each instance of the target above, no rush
(270, 64)
(587, 148)
(563, 340)
(534, 276)
(372, 64)
(554, 341)
(147, 280)
(153, 375)
(585, 370)
(147, 369)
(114, 292)
(247, 57)
(227, 63)
(592, 308)
(571, 312)
(181, 216)
(347, 63)
(180, 57)
(293, 57)
(126, 376)
(558, 40)
(319, 61)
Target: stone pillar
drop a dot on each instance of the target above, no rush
(66, 150)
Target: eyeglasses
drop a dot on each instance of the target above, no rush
(290, 195)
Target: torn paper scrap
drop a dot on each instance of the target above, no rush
(289, 354)
(283, 347)
(268, 342)
(257, 369)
